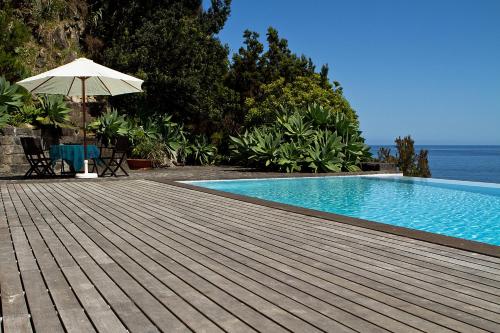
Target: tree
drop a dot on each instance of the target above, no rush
(279, 61)
(410, 163)
(304, 90)
(173, 47)
(267, 81)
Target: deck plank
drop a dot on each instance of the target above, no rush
(347, 249)
(151, 208)
(132, 317)
(145, 256)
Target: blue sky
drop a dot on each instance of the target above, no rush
(426, 68)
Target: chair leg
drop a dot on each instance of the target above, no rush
(29, 172)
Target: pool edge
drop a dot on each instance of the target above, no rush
(454, 242)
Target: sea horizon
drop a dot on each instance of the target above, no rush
(479, 163)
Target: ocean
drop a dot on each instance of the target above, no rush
(473, 163)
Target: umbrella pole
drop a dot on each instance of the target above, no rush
(84, 122)
(86, 173)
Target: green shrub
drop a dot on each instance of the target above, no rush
(313, 138)
(108, 126)
(201, 151)
(280, 95)
(54, 112)
(410, 163)
(11, 97)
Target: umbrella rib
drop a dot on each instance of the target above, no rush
(109, 91)
(41, 84)
(71, 85)
(139, 90)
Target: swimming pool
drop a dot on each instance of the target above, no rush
(466, 210)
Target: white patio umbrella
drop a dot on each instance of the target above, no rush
(82, 77)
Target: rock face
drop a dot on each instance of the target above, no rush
(12, 159)
(56, 36)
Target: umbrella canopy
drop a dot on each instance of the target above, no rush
(82, 77)
(67, 80)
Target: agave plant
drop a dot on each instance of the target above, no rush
(295, 126)
(201, 151)
(241, 147)
(321, 117)
(289, 157)
(265, 149)
(11, 96)
(325, 154)
(4, 118)
(109, 125)
(54, 111)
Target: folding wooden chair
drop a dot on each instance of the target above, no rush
(39, 163)
(114, 162)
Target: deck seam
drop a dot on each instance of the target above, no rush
(125, 194)
(221, 225)
(326, 242)
(258, 297)
(89, 254)
(448, 241)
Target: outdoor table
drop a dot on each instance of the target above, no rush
(72, 154)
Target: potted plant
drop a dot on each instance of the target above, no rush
(146, 154)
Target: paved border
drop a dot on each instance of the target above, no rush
(449, 241)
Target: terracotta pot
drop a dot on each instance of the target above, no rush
(139, 164)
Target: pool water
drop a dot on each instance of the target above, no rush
(466, 210)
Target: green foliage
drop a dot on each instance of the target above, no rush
(26, 114)
(152, 150)
(278, 77)
(300, 93)
(11, 96)
(109, 126)
(13, 34)
(325, 154)
(314, 139)
(4, 119)
(410, 164)
(16, 107)
(201, 151)
(54, 112)
(173, 46)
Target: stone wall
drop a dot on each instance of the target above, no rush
(12, 159)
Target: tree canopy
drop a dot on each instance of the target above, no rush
(174, 46)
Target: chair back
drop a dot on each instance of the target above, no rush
(32, 146)
(122, 144)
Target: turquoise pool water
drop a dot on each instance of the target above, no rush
(454, 208)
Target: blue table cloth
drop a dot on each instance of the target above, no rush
(72, 154)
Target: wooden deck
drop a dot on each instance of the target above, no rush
(144, 256)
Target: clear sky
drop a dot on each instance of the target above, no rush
(429, 68)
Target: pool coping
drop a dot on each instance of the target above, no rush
(454, 242)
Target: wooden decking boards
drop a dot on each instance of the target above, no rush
(144, 256)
